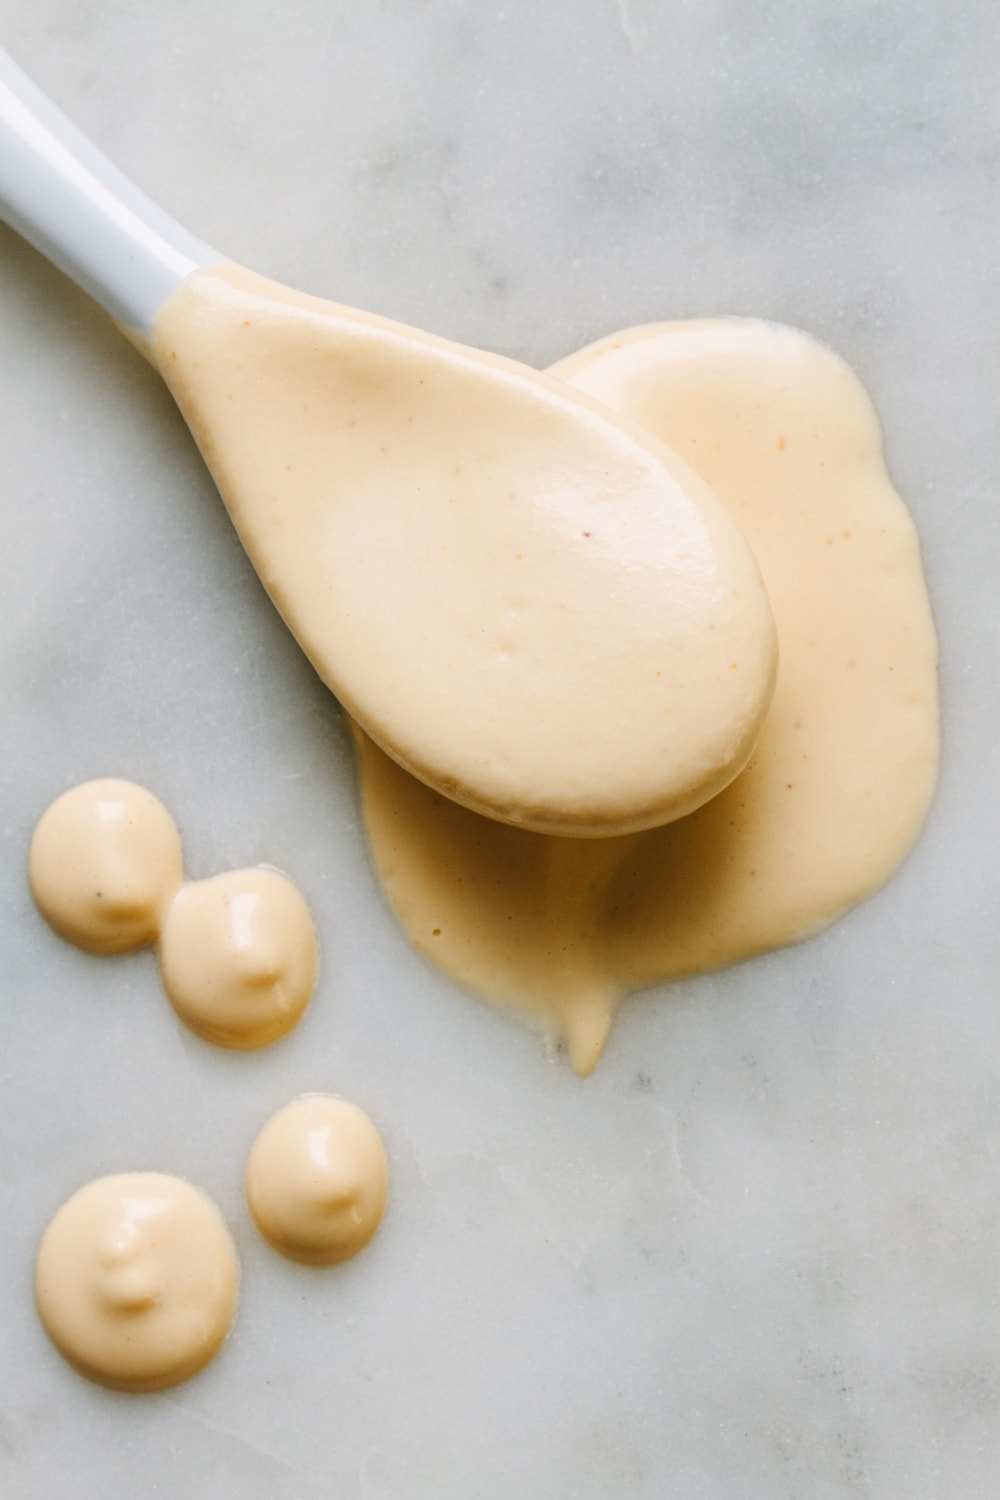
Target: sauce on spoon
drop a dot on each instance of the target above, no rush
(317, 1180)
(559, 930)
(491, 573)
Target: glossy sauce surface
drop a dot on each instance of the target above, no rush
(136, 1281)
(238, 952)
(559, 930)
(317, 1180)
(490, 572)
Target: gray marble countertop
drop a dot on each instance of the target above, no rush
(757, 1255)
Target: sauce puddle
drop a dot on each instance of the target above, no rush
(559, 930)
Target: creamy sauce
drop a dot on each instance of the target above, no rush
(491, 572)
(844, 770)
(136, 1281)
(317, 1180)
(105, 859)
(238, 955)
(237, 952)
(560, 928)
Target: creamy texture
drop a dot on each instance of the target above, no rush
(136, 1281)
(317, 1180)
(491, 573)
(105, 859)
(845, 767)
(237, 952)
(238, 955)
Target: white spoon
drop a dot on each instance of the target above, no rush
(536, 609)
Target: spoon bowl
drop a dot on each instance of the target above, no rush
(537, 609)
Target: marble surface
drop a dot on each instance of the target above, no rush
(758, 1253)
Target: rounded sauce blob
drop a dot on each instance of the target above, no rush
(317, 1180)
(841, 778)
(105, 859)
(491, 571)
(238, 957)
(136, 1281)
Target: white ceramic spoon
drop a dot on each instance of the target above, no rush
(533, 607)
(72, 204)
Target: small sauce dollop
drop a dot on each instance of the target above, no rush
(238, 956)
(238, 952)
(317, 1180)
(105, 859)
(136, 1281)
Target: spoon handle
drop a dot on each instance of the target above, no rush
(64, 196)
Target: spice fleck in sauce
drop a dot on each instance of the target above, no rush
(105, 859)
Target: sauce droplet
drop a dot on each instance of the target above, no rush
(317, 1180)
(105, 858)
(136, 1281)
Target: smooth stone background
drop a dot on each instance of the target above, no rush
(757, 1255)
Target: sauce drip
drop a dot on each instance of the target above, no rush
(105, 859)
(237, 952)
(238, 956)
